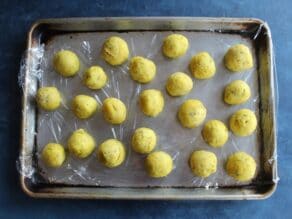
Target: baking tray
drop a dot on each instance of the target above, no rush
(179, 142)
(252, 30)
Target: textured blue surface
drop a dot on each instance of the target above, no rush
(15, 20)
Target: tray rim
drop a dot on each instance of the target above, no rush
(133, 191)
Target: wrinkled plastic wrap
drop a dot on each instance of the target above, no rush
(179, 142)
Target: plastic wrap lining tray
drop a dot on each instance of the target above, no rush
(214, 35)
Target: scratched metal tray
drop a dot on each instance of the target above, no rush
(252, 31)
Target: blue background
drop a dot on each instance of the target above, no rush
(15, 20)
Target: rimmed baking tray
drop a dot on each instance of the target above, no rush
(252, 29)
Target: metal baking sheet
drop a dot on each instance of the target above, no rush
(174, 139)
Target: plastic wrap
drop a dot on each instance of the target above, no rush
(179, 142)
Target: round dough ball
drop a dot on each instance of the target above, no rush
(238, 58)
(81, 144)
(115, 51)
(241, 166)
(236, 92)
(84, 106)
(243, 122)
(142, 70)
(94, 78)
(192, 113)
(114, 110)
(111, 153)
(202, 66)
(158, 164)
(53, 155)
(175, 45)
(215, 133)
(179, 84)
(203, 163)
(151, 102)
(144, 140)
(66, 63)
(48, 98)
